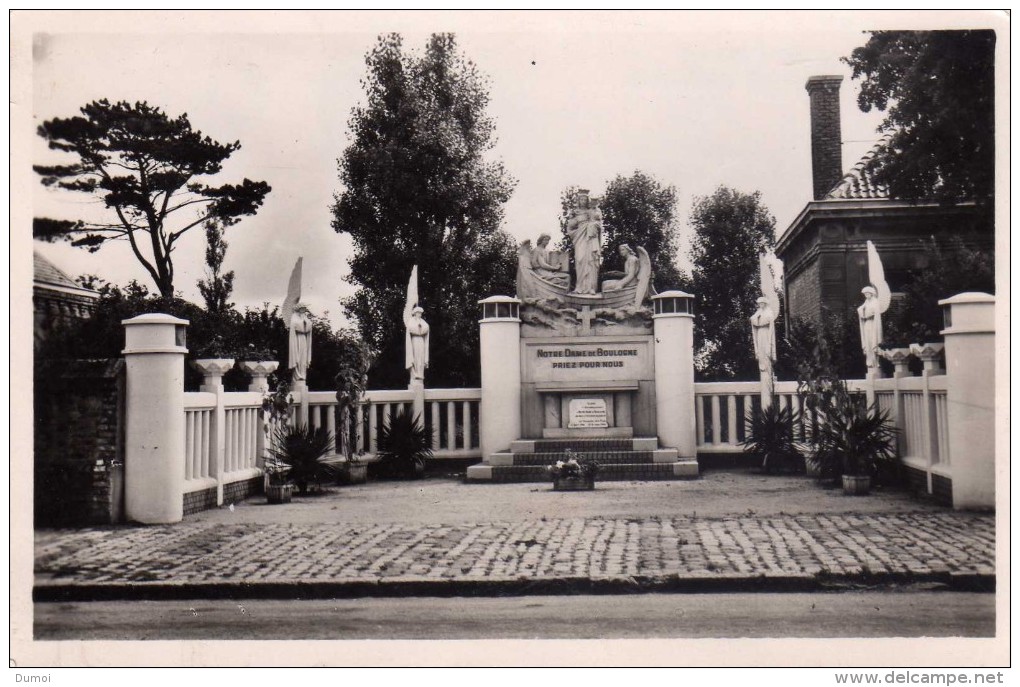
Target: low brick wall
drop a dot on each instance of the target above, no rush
(235, 492)
(942, 487)
(197, 501)
(78, 442)
(239, 491)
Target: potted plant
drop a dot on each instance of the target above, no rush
(851, 439)
(304, 450)
(771, 437)
(354, 470)
(351, 382)
(404, 446)
(576, 472)
(278, 488)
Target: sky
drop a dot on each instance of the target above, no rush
(697, 101)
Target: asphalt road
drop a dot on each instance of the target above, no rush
(824, 615)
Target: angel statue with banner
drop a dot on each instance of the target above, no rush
(763, 321)
(416, 356)
(299, 323)
(876, 301)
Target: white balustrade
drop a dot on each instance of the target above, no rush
(451, 414)
(205, 466)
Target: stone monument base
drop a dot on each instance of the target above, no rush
(631, 458)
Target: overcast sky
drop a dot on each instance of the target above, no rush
(694, 100)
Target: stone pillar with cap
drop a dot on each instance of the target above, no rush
(673, 326)
(500, 352)
(154, 353)
(970, 397)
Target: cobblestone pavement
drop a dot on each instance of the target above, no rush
(913, 543)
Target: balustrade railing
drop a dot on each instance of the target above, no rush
(917, 405)
(199, 454)
(223, 438)
(450, 414)
(723, 412)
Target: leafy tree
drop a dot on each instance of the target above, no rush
(820, 351)
(144, 166)
(731, 229)
(639, 211)
(417, 189)
(952, 266)
(255, 334)
(218, 286)
(938, 87)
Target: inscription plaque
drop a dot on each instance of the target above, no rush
(585, 413)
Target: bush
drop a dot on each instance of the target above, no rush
(255, 334)
(404, 447)
(771, 437)
(853, 439)
(302, 450)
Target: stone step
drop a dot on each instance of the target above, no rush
(687, 469)
(584, 445)
(662, 455)
(601, 457)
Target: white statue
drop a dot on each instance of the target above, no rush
(299, 324)
(631, 266)
(299, 353)
(417, 357)
(584, 226)
(870, 316)
(763, 334)
(416, 343)
(877, 298)
(548, 264)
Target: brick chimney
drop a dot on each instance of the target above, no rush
(826, 142)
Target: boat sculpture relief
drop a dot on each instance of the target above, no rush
(553, 300)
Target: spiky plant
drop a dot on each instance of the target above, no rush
(303, 449)
(852, 438)
(404, 446)
(771, 437)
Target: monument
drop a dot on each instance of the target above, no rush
(416, 344)
(877, 298)
(593, 361)
(299, 340)
(763, 323)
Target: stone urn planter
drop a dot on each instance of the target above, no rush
(279, 493)
(354, 473)
(212, 371)
(856, 485)
(573, 484)
(259, 371)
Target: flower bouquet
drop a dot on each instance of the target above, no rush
(575, 472)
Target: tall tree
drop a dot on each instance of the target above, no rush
(937, 88)
(639, 211)
(218, 285)
(144, 166)
(731, 229)
(417, 189)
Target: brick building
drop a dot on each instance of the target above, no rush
(56, 299)
(824, 249)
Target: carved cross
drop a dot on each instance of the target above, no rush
(586, 318)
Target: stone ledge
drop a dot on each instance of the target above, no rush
(480, 472)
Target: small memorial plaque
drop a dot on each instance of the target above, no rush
(584, 413)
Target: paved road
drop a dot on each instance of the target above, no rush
(442, 501)
(916, 544)
(848, 614)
